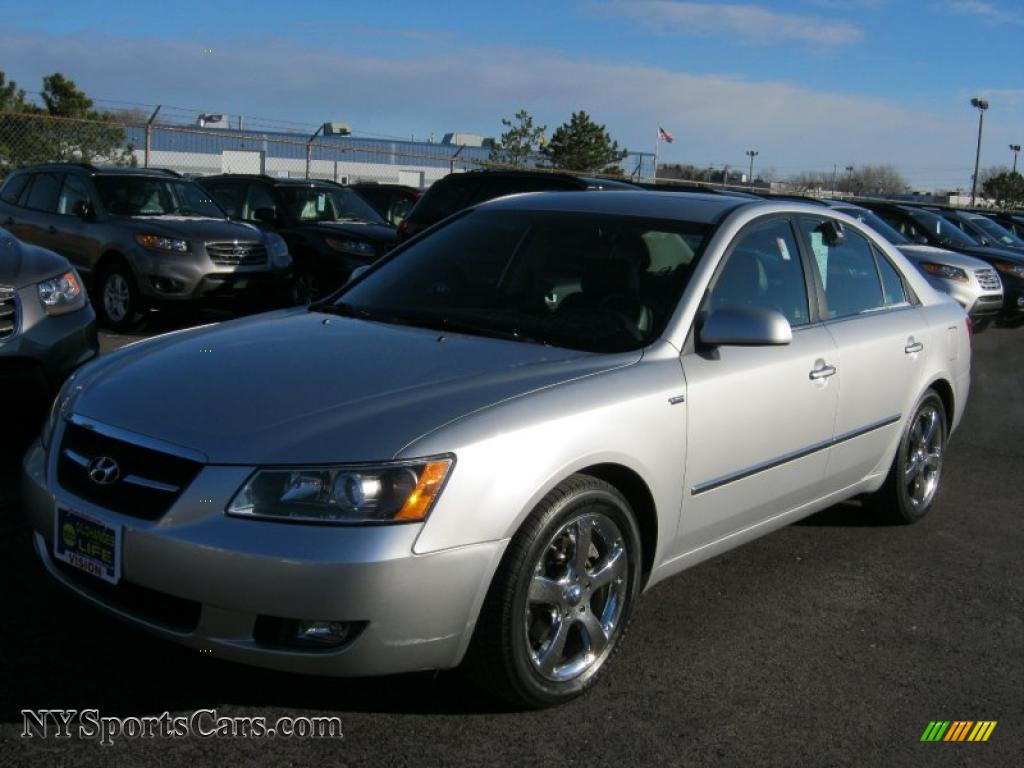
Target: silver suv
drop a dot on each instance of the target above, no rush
(141, 237)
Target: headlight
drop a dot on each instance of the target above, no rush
(62, 294)
(357, 247)
(385, 493)
(944, 271)
(1009, 268)
(163, 243)
(276, 246)
(60, 409)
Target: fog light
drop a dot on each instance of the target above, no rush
(1020, 301)
(325, 633)
(167, 284)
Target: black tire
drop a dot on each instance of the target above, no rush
(120, 314)
(905, 497)
(502, 658)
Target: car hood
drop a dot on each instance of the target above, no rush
(303, 387)
(22, 264)
(193, 227)
(364, 230)
(919, 253)
(988, 252)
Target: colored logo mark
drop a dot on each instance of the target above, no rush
(958, 730)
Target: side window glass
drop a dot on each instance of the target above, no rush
(73, 191)
(229, 197)
(42, 195)
(13, 188)
(847, 270)
(259, 197)
(892, 284)
(764, 270)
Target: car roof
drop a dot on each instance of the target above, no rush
(98, 170)
(275, 180)
(572, 178)
(703, 209)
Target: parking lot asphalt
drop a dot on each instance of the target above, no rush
(832, 642)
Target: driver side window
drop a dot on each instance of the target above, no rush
(764, 269)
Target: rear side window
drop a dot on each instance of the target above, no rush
(13, 188)
(74, 191)
(260, 196)
(445, 198)
(847, 270)
(499, 187)
(42, 195)
(892, 284)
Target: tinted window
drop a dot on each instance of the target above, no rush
(764, 270)
(941, 231)
(574, 280)
(877, 223)
(445, 197)
(74, 191)
(493, 187)
(326, 204)
(847, 270)
(228, 196)
(155, 196)
(42, 194)
(892, 284)
(260, 196)
(997, 232)
(13, 188)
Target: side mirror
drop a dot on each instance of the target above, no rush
(266, 215)
(745, 327)
(82, 209)
(833, 233)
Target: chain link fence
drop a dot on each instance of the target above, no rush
(27, 138)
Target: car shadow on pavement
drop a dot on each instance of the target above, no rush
(57, 651)
(848, 514)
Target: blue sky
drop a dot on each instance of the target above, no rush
(808, 83)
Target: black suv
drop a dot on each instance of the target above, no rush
(330, 230)
(1014, 222)
(141, 236)
(392, 201)
(929, 228)
(461, 190)
(985, 230)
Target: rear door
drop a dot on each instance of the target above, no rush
(881, 338)
(759, 418)
(38, 204)
(74, 236)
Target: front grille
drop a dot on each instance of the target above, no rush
(235, 253)
(8, 313)
(148, 481)
(988, 279)
(160, 608)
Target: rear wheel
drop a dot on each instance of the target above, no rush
(561, 599)
(916, 471)
(118, 297)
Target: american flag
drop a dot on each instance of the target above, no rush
(664, 135)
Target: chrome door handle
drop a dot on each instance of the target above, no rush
(912, 347)
(823, 372)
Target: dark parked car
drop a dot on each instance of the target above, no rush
(980, 227)
(141, 237)
(928, 228)
(47, 329)
(1014, 222)
(392, 201)
(329, 228)
(462, 190)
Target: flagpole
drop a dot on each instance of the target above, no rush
(657, 145)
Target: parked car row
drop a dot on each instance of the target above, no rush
(487, 445)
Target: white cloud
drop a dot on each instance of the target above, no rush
(714, 117)
(985, 11)
(751, 22)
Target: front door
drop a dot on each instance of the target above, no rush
(759, 418)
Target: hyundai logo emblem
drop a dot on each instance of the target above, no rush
(239, 252)
(103, 470)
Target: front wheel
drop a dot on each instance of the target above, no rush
(119, 301)
(916, 471)
(561, 599)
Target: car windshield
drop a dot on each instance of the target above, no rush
(327, 204)
(946, 233)
(153, 196)
(597, 283)
(878, 224)
(997, 231)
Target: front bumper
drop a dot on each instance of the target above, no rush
(166, 279)
(416, 611)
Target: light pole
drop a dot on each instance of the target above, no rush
(1015, 148)
(751, 153)
(849, 179)
(981, 105)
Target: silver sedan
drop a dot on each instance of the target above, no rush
(482, 450)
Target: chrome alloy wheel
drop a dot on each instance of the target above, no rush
(116, 297)
(924, 457)
(576, 598)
